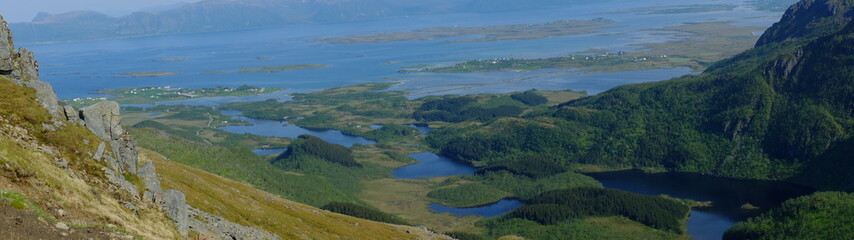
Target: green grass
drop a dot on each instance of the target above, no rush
(20, 202)
(592, 228)
(467, 195)
(242, 164)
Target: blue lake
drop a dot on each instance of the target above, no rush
(727, 196)
(491, 210)
(431, 165)
(282, 129)
(268, 151)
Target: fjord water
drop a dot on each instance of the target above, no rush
(727, 196)
(75, 69)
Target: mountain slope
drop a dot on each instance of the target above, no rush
(823, 215)
(775, 111)
(290, 220)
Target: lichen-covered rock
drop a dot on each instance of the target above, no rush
(25, 66)
(127, 153)
(176, 208)
(7, 48)
(100, 152)
(71, 114)
(152, 184)
(103, 120)
(46, 96)
(120, 181)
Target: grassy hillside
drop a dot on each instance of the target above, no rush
(243, 204)
(43, 171)
(243, 165)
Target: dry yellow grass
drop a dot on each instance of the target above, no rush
(408, 199)
(243, 204)
(53, 188)
(27, 166)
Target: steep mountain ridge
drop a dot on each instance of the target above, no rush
(808, 19)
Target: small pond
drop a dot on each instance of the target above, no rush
(268, 151)
(431, 165)
(491, 210)
(282, 129)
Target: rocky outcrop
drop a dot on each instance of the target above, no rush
(104, 120)
(71, 114)
(219, 228)
(7, 48)
(809, 19)
(152, 183)
(120, 181)
(24, 70)
(175, 205)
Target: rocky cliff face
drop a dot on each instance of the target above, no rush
(809, 19)
(5, 48)
(103, 120)
(116, 151)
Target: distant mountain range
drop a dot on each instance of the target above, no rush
(223, 15)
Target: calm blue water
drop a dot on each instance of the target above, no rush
(491, 210)
(77, 68)
(268, 151)
(431, 165)
(279, 129)
(727, 196)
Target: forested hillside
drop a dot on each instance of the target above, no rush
(824, 215)
(783, 110)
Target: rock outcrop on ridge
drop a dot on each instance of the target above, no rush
(119, 151)
(103, 120)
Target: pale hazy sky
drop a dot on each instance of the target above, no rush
(25, 10)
